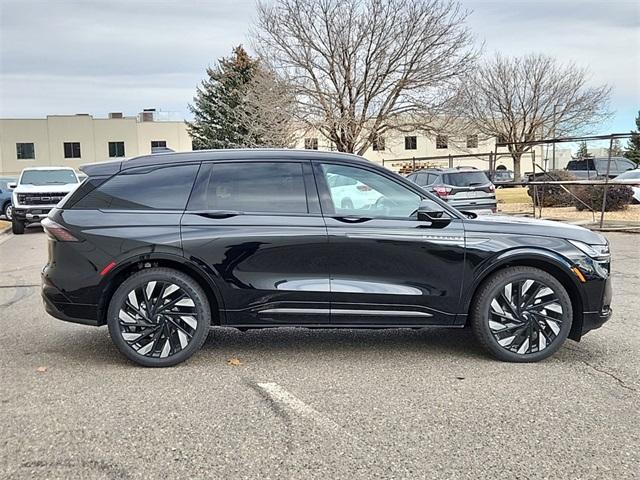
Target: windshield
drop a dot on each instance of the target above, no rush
(466, 179)
(48, 177)
(630, 175)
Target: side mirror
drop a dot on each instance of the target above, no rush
(12, 185)
(430, 211)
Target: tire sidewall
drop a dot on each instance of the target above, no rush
(164, 275)
(480, 317)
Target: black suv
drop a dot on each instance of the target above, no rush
(463, 188)
(161, 247)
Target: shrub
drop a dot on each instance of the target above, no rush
(618, 197)
(552, 195)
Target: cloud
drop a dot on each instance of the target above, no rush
(68, 56)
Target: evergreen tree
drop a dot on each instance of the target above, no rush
(219, 103)
(583, 151)
(633, 146)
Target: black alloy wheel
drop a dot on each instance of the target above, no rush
(522, 314)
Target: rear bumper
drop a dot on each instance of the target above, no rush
(57, 305)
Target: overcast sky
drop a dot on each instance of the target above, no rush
(90, 56)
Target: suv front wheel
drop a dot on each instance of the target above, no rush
(159, 317)
(521, 314)
(17, 227)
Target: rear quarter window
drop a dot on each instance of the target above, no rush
(163, 188)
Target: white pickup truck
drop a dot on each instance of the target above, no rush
(38, 190)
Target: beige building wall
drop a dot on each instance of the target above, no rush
(94, 134)
(395, 156)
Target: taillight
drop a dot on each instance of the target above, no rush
(57, 232)
(364, 188)
(442, 191)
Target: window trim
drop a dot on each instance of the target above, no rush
(72, 157)
(201, 186)
(326, 203)
(116, 142)
(33, 147)
(414, 140)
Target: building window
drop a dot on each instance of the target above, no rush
(472, 141)
(378, 143)
(410, 143)
(72, 150)
(442, 141)
(502, 138)
(311, 143)
(25, 151)
(158, 144)
(116, 149)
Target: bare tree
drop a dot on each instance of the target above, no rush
(362, 67)
(269, 111)
(533, 97)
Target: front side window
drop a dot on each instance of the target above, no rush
(269, 187)
(166, 188)
(72, 150)
(116, 149)
(363, 192)
(410, 143)
(442, 141)
(25, 151)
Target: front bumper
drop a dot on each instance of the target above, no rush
(31, 214)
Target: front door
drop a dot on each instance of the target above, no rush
(257, 227)
(387, 267)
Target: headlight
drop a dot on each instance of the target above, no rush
(597, 252)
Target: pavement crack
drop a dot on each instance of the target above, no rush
(24, 285)
(621, 382)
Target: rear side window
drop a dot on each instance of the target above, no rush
(270, 187)
(466, 179)
(165, 188)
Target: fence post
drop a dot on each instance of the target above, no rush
(450, 161)
(606, 183)
(413, 166)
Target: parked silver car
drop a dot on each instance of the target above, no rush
(463, 188)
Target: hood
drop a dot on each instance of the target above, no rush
(67, 187)
(533, 227)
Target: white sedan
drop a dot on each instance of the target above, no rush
(631, 175)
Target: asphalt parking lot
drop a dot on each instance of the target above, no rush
(296, 403)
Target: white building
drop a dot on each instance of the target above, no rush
(73, 140)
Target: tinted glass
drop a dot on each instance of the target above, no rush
(466, 179)
(369, 194)
(165, 188)
(257, 187)
(48, 177)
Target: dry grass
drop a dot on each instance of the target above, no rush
(513, 195)
(629, 214)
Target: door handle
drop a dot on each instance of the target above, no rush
(353, 219)
(216, 213)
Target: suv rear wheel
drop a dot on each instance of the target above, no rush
(159, 317)
(521, 314)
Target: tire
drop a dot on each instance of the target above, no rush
(169, 336)
(522, 329)
(6, 211)
(17, 227)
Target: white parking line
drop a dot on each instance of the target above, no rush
(297, 406)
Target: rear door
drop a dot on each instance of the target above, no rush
(257, 226)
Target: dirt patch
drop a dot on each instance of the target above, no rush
(630, 214)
